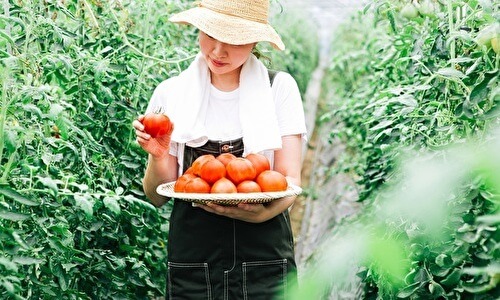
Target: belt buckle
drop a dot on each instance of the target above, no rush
(226, 148)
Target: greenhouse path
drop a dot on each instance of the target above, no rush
(326, 199)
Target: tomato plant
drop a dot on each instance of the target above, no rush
(272, 181)
(74, 220)
(72, 82)
(424, 77)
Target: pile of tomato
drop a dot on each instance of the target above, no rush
(227, 173)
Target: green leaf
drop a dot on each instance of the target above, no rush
(49, 182)
(481, 90)
(11, 138)
(12, 216)
(451, 73)
(9, 287)
(112, 204)
(436, 289)
(8, 264)
(382, 124)
(477, 288)
(410, 290)
(23, 260)
(133, 200)
(7, 37)
(443, 260)
(453, 278)
(84, 204)
(14, 195)
(489, 219)
(63, 281)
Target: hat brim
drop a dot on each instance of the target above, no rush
(229, 29)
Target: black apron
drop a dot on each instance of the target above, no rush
(215, 257)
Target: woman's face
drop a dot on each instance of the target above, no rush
(223, 58)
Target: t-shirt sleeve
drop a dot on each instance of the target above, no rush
(159, 98)
(289, 107)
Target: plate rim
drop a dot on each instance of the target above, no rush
(292, 190)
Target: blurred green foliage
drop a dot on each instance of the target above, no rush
(417, 82)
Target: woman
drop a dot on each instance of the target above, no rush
(224, 102)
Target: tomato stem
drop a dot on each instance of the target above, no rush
(3, 112)
(451, 30)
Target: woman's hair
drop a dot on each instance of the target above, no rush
(261, 56)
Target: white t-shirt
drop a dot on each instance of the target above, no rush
(222, 119)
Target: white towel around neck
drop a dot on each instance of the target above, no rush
(188, 98)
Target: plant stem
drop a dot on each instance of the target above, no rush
(6, 13)
(93, 19)
(3, 111)
(451, 29)
(7, 167)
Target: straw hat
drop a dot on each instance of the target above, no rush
(235, 22)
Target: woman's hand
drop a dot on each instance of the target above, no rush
(162, 167)
(157, 147)
(250, 212)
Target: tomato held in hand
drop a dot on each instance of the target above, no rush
(272, 181)
(259, 161)
(157, 124)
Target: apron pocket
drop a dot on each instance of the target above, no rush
(265, 279)
(189, 281)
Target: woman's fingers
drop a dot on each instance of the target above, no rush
(138, 125)
(141, 135)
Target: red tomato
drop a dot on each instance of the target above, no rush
(223, 185)
(248, 186)
(272, 181)
(240, 169)
(157, 124)
(259, 161)
(225, 157)
(180, 183)
(197, 185)
(197, 163)
(212, 170)
(189, 171)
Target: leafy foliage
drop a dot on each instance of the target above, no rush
(421, 81)
(74, 221)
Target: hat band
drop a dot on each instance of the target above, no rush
(230, 13)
